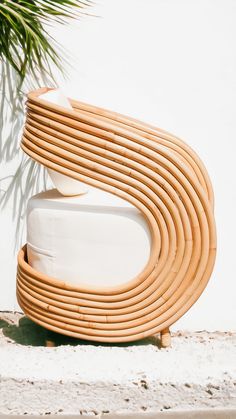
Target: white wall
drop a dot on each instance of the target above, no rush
(172, 63)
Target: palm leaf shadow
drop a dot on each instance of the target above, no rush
(29, 177)
(11, 112)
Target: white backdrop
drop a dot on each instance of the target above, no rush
(171, 63)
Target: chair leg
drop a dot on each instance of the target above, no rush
(165, 338)
(49, 340)
(49, 343)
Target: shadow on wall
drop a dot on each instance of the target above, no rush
(28, 177)
(28, 333)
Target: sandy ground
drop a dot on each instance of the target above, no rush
(77, 377)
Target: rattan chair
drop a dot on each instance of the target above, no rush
(160, 175)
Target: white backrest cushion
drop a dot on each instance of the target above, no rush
(64, 184)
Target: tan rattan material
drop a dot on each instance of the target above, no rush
(164, 179)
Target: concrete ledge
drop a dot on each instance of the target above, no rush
(185, 414)
(198, 374)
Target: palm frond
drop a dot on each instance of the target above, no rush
(24, 40)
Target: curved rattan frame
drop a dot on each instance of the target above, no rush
(164, 179)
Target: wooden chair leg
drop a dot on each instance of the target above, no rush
(165, 338)
(49, 340)
(49, 343)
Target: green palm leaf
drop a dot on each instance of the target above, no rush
(24, 40)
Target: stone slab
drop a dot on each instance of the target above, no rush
(79, 378)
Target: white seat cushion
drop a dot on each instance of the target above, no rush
(93, 239)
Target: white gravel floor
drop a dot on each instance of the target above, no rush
(76, 377)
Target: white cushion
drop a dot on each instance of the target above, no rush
(93, 239)
(64, 184)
